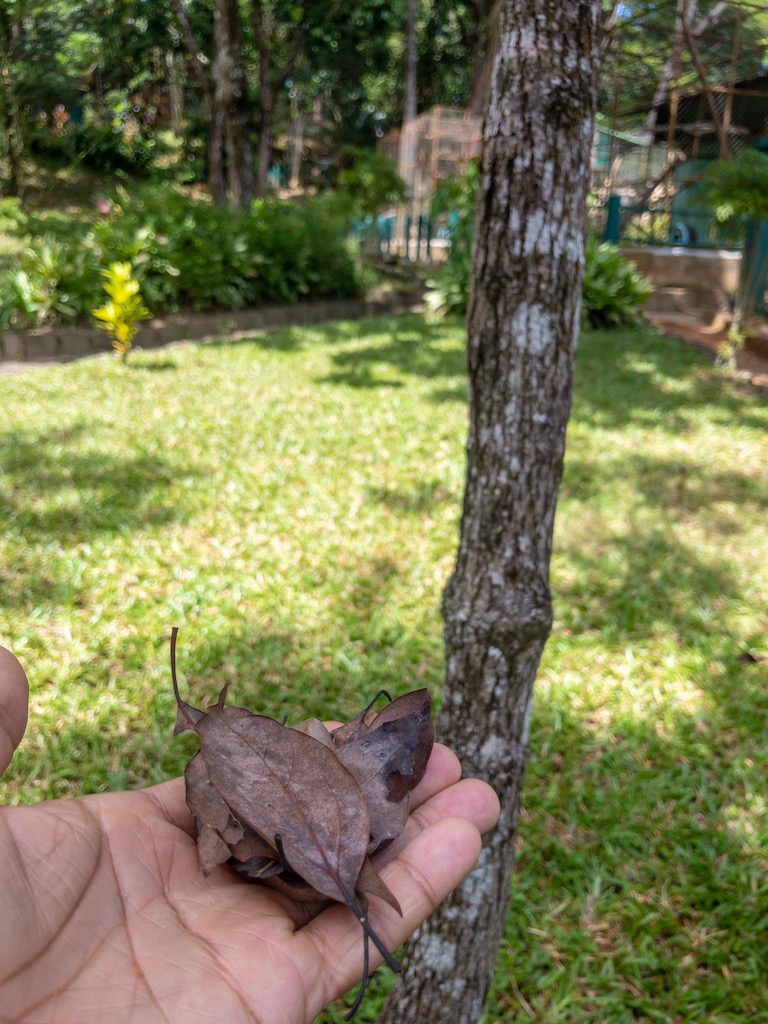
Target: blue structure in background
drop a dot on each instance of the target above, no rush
(379, 232)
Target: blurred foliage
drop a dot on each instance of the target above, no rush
(738, 188)
(614, 293)
(454, 204)
(367, 183)
(64, 62)
(184, 253)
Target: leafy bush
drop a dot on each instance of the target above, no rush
(455, 201)
(448, 288)
(12, 218)
(33, 293)
(738, 188)
(187, 253)
(104, 148)
(737, 192)
(367, 183)
(613, 292)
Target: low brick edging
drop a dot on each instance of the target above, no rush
(64, 343)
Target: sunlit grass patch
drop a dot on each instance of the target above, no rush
(292, 503)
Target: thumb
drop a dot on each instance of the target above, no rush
(14, 698)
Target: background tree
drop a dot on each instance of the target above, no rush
(293, 54)
(646, 50)
(737, 192)
(231, 108)
(523, 325)
(455, 53)
(71, 75)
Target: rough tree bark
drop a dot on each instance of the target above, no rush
(523, 326)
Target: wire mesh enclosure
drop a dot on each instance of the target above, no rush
(678, 94)
(435, 146)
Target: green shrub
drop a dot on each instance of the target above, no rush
(33, 294)
(737, 189)
(119, 142)
(367, 183)
(12, 218)
(613, 292)
(188, 253)
(448, 287)
(737, 193)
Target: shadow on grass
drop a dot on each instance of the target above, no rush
(636, 374)
(679, 485)
(285, 340)
(640, 887)
(59, 491)
(641, 882)
(413, 348)
(459, 393)
(416, 500)
(296, 339)
(154, 367)
(636, 588)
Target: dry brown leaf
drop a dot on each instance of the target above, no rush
(299, 808)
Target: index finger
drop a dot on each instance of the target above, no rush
(14, 701)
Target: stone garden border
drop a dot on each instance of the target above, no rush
(61, 343)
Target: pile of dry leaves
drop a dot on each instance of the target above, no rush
(302, 809)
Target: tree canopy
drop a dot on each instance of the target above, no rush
(312, 77)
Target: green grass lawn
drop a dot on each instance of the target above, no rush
(291, 503)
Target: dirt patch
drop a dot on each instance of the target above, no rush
(751, 358)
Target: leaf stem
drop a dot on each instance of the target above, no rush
(363, 983)
(179, 702)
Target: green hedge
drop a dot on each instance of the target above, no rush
(184, 253)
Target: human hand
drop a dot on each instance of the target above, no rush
(106, 915)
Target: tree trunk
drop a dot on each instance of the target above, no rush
(175, 92)
(265, 129)
(214, 114)
(230, 103)
(14, 144)
(216, 181)
(482, 46)
(523, 325)
(297, 148)
(11, 120)
(263, 26)
(406, 161)
(406, 157)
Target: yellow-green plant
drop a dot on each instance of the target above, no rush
(124, 310)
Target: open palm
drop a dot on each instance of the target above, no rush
(106, 915)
